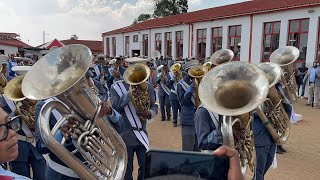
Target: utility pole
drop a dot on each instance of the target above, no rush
(44, 36)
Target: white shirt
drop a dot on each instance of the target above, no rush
(11, 174)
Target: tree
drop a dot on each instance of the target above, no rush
(141, 18)
(164, 8)
(170, 7)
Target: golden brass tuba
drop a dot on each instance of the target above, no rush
(62, 76)
(207, 65)
(24, 107)
(176, 69)
(136, 76)
(3, 80)
(221, 56)
(233, 90)
(277, 120)
(197, 72)
(285, 57)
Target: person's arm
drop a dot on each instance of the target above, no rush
(118, 103)
(318, 72)
(185, 96)
(205, 130)
(153, 106)
(306, 77)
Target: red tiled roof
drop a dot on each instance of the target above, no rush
(8, 34)
(233, 10)
(94, 46)
(14, 43)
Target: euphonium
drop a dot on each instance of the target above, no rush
(197, 72)
(3, 80)
(221, 56)
(136, 76)
(285, 57)
(176, 69)
(207, 65)
(277, 120)
(24, 107)
(98, 142)
(233, 90)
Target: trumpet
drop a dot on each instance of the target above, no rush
(233, 90)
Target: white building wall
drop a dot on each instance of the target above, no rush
(8, 49)
(284, 17)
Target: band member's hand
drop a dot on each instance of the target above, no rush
(105, 109)
(234, 162)
(145, 114)
(69, 129)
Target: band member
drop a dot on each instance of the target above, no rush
(164, 92)
(56, 169)
(116, 72)
(9, 144)
(186, 98)
(97, 70)
(135, 133)
(153, 78)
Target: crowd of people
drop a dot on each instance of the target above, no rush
(173, 89)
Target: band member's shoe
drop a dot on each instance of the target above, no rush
(282, 148)
(279, 151)
(168, 118)
(162, 119)
(175, 125)
(308, 104)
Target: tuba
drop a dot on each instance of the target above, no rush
(233, 90)
(97, 141)
(197, 72)
(176, 69)
(207, 65)
(3, 80)
(155, 54)
(24, 107)
(277, 120)
(221, 56)
(136, 76)
(285, 57)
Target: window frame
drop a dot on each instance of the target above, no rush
(108, 46)
(272, 33)
(214, 49)
(203, 39)
(157, 46)
(235, 36)
(114, 47)
(318, 42)
(168, 43)
(135, 38)
(178, 40)
(145, 44)
(126, 46)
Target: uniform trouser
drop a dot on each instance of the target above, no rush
(189, 138)
(53, 175)
(23, 168)
(316, 96)
(310, 93)
(165, 106)
(175, 108)
(140, 151)
(264, 159)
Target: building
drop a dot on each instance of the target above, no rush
(252, 29)
(10, 44)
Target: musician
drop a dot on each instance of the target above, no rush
(265, 146)
(116, 72)
(97, 70)
(164, 92)
(12, 62)
(313, 83)
(186, 97)
(56, 169)
(135, 132)
(9, 144)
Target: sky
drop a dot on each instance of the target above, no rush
(88, 19)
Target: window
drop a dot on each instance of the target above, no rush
(114, 46)
(127, 41)
(158, 41)
(216, 42)
(1, 51)
(145, 45)
(108, 46)
(135, 38)
(201, 43)
(318, 47)
(179, 44)
(271, 36)
(168, 48)
(298, 36)
(234, 41)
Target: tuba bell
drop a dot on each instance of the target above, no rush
(155, 54)
(197, 72)
(24, 107)
(176, 69)
(3, 80)
(103, 150)
(277, 120)
(221, 56)
(285, 57)
(207, 65)
(136, 76)
(233, 90)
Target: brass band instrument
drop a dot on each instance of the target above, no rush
(276, 120)
(285, 57)
(24, 107)
(197, 72)
(96, 140)
(3, 80)
(233, 90)
(221, 56)
(136, 76)
(176, 69)
(207, 65)
(155, 55)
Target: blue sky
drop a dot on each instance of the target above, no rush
(85, 18)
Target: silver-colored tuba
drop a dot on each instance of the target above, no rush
(233, 90)
(285, 57)
(61, 74)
